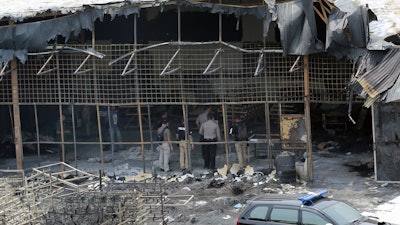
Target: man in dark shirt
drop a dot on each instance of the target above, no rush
(240, 140)
(165, 146)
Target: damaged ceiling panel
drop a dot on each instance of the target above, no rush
(357, 30)
(347, 34)
(298, 30)
(18, 10)
(347, 27)
(384, 28)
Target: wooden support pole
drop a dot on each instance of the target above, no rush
(137, 95)
(225, 120)
(96, 94)
(310, 169)
(17, 120)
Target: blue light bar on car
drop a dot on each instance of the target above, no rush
(313, 196)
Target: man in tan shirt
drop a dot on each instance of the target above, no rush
(211, 133)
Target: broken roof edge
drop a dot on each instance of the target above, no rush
(21, 10)
(34, 35)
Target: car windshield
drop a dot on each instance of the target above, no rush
(342, 213)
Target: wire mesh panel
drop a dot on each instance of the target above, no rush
(172, 74)
(5, 89)
(329, 78)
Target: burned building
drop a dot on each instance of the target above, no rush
(274, 62)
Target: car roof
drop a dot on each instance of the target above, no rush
(290, 199)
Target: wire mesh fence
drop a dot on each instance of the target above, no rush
(173, 74)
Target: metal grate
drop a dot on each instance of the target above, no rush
(329, 78)
(232, 78)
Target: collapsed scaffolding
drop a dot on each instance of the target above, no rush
(61, 194)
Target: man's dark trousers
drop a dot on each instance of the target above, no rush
(209, 153)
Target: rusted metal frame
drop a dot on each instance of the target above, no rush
(207, 70)
(164, 71)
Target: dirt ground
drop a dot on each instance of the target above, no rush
(343, 168)
(220, 205)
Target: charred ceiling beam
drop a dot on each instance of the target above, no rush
(323, 10)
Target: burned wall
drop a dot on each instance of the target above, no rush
(387, 144)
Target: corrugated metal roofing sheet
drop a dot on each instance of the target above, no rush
(383, 79)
